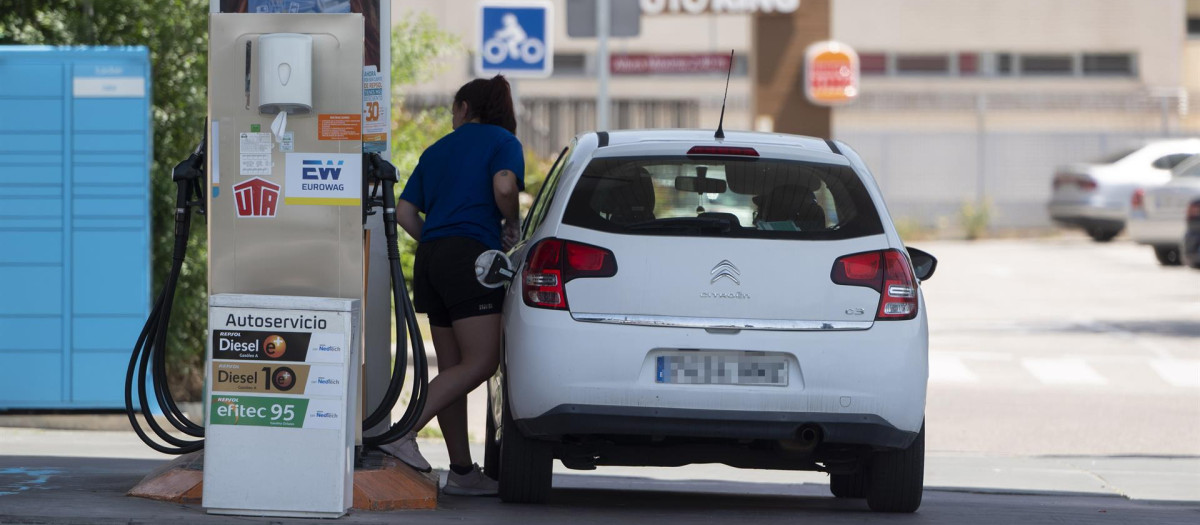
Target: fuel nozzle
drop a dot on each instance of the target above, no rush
(383, 176)
(189, 182)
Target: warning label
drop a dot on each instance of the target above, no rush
(337, 126)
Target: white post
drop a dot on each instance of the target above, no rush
(602, 32)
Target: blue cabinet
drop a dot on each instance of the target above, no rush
(75, 150)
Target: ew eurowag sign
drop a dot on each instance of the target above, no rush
(696, 7)
(830, 73)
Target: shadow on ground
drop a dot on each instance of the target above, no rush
(87, 490)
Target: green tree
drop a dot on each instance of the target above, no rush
(176, 34)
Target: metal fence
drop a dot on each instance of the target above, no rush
(546, 125)
(932, 153)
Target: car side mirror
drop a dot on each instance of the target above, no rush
(923, 263)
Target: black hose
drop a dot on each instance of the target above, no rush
(149, 353)
(385, 174)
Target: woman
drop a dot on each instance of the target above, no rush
(466, 184)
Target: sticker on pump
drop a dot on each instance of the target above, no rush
(253, 345)
(268, 378)
(323, 179)
(284, 412)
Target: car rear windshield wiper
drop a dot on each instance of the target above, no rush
(682, 223)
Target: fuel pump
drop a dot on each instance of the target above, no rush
(284, 187)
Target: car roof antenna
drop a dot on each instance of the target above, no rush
(720, 134)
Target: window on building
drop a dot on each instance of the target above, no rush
(922, 64)
(968, 64)
(1193, 27)
(872, 63)
(569, 65)
(1047, 65)
(1004, 63)
(1108, 64)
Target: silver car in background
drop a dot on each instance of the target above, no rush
(1096, 196)
(1157, 216)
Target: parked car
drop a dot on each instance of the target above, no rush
(1191, 237)
(1095, 196)
(686, 299)
(1157, 216)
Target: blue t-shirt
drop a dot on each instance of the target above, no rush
(452, 183)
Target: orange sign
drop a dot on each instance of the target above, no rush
(337, 126)
(830, 73)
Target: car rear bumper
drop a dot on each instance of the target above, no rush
(835, 428)
(1191, 247)
(1156, 231)
(1088, 215)
(552, 361)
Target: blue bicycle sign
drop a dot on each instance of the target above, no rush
(515, 38)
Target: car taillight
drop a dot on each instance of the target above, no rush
(887, 272)
(553, 263)
(1082, 182)
(1139, 199)
(1193, 211)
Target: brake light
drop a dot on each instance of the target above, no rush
(1139, 199)
(887, 272)
(723, 151)
(1082, 182)
(553, 263)
(1193, 211)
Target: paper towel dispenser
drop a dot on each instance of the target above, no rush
(285, 73)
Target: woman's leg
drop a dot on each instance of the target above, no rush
(478, 341)
(452, 419)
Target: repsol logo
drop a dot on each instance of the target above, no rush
(294, 323)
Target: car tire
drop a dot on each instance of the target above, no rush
(1168, 255)
(491, 447)
(896, 478)
(526, 465)
(849, 485)
(1102, 234)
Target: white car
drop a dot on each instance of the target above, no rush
(1095, 196)
(685, 299)
(1157, 216)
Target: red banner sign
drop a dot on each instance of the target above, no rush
(668, 64)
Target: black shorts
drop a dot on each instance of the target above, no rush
(444, 283)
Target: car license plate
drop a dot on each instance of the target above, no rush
(722, 368)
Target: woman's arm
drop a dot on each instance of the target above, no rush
(407, 217)
(504, 188)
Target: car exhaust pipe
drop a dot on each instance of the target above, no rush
(807, 438)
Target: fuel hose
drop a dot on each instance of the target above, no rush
(147, 363)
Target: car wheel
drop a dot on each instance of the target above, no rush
(897, 478)
(849, 485)
(1168, 255)
(526, 465)
(491, 447)
(1102, 234)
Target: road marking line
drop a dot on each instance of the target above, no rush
(943, 369)
(1179, 372)
(1068, 371)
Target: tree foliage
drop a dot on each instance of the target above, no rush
(175, 32)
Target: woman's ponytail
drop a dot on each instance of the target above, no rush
(490, 101)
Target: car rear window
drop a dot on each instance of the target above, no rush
(722, 197)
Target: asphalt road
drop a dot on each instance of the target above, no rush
(1064, 388)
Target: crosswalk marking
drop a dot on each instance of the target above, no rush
(945, 369)
(1126, 372)
(1178, 372)
(1063, 371)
